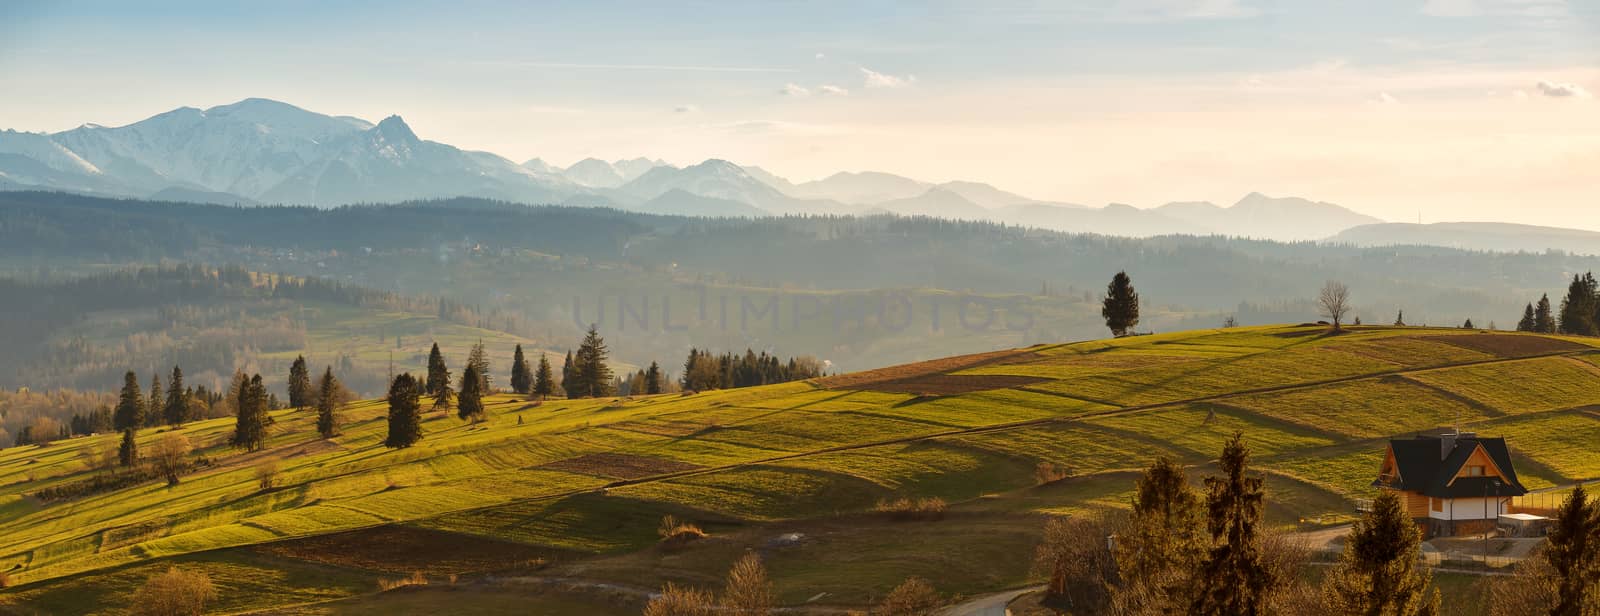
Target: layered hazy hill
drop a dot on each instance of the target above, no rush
(1505, 237)
(259, 151)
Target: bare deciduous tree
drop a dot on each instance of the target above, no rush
(1335, 302)
(170, 456)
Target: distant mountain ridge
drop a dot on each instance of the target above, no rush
(1489, 236)
(260, 151)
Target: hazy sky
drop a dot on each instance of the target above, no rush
(1447, 109)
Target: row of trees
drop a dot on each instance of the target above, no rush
(1579, 313)
(703, 370)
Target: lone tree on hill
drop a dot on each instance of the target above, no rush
(1334, 301)
(544, 381)
(329, 398)
(479, 358)
(594, 376)
(1529, 321)
(1400, 319)
(521, 373)
(438, 372)
(470, 405)
(1235, 579)
(1467, 325)
(1121, 305)
(1164, 541)
(405, 412)
(174, 593)
(250, 424)
(1378, 572)
(652, 379)
(1544, 321)
(301, 395)
(176, 409)
(170, 456)
(130, 404)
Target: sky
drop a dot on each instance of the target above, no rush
(1430, 110)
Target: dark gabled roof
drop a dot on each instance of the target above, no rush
(1425, 467)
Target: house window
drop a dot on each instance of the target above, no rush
(1475, 471)
(1438, 504)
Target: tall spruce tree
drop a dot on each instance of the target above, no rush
(544, 381)
(1467, 325)
(479, 358)
(1529, 322)
(1234, 580)
(1378, 571)
(328, 400)
(1121, 305)
(595, 375)
(176, 408)
(154, 404)
(301, 394)
(251, 421)
(1164, 541)
(652, 379)
(130, 404)
(1573, 554)
(1544, 321)
(521, 373)
(470, 405)
(1400, 319)
(1578, 307)
(438, 372)
(405, 412)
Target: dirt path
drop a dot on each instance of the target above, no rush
(988, 605)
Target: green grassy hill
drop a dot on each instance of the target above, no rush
(582, 485)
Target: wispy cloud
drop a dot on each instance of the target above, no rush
(1385, 98)
(875, 79)
(1498, 8)
(639, 67)
(832, 90)
(794, 89)
(1562, 90)
(686, 109)
(1177, 10)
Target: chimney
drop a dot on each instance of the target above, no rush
(1447, 442)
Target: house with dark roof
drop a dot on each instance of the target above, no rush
(1452, 483)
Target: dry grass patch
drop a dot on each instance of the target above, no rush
(1509, 345)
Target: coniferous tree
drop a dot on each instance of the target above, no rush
(1378, 571)
(328, 400)
(444, 396)
(1578, 307)
(130, 404)
(405, 412)
(569, 378)
(652, 379)
(521, 373)
(1467, 325)
(1121, 305)
(1400, 319)
(438, 372)
(470, 405)
(153, 405)
(1234, 580)
(1573, 555)
(590, 362)
(1164, 541)
(301, 395)
(1529, 321)
(1544, 321)
(176, 409)
(544, 384)
(479, 358)
(128, 451)
(250, 423)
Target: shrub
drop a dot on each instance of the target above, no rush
(1048, 472)
(914, 597)
(267, 474)
(749, 591)
(679, 601)
(908, 509)
(415, 579)
(174, 593)
(676, 533)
